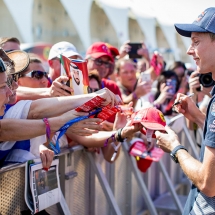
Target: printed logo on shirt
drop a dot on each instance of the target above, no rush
(213, 109)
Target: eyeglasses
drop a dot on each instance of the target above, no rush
(92, 90)
(2, 66)
(35, 74)
(100, 62)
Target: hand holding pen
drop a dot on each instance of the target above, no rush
(179, 102)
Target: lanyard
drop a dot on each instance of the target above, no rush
(64, 128)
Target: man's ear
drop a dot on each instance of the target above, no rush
(50, 62)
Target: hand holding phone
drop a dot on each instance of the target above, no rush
(145, 76)
(133, 51)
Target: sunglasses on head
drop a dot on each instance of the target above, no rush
(2, 66)
(100, 62)
(35, 74)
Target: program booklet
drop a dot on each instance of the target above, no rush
(42, 188)
(76, 71)
(96, 104)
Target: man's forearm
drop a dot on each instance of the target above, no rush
(26, 93)
(50, 107)
(95, 140)
(200, 120)
(22, 129)
(17, 129)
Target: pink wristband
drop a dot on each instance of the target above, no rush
(48, 130)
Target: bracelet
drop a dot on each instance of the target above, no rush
(119, 135)
(134, 95)
(48, 133)
(48, 130)
(113, 139)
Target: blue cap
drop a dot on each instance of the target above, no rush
(205, 23)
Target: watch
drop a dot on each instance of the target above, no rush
(174, 151)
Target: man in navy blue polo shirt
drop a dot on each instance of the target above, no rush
(201, 199)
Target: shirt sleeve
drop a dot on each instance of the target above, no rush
(19, 110)
(210, 125)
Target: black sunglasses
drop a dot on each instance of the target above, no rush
(2, 66)
(35, 74)
(100, 62)
(92, 90)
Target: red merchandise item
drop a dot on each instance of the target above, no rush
(112, 86)
(143, 156)
(99, 49)
(158, 67)
(151, 118)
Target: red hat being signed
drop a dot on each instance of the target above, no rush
(151, 118)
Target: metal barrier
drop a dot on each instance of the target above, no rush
(92, 186)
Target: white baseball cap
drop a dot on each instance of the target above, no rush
(63, 48)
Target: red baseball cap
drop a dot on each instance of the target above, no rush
(113, 49)
(151, 118)
(99, 49)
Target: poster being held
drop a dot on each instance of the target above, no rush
(76, 71)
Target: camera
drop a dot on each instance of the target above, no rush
(206, 80)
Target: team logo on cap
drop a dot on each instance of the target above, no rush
(162, 117)
(213, 109)
(199, 18)
(105, 48)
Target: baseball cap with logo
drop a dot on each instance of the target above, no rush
(63, 48)
(99, 49)
(151, 118)
(205, 23)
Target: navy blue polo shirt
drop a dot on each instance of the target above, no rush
(198, 203)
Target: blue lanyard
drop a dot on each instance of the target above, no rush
(64, 128)
(102, 85)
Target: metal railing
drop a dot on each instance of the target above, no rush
(92, 186)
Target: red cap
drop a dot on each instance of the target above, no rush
(113, 49)
(99, 49)
(151, 118)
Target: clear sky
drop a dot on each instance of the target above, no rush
(166, 11)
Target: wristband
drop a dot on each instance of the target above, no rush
(134, 95)
(113, 139)
(48, 133)
(119, 136)
(48, 130)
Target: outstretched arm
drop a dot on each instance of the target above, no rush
(49, 107)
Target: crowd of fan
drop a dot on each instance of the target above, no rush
(31, 93)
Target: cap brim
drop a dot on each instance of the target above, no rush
(186, 29)
(70, 54)
(101, 54)
(153, 126)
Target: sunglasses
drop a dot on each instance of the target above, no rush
(35, 74)
(100, 62)
(2, 66)
(92, 90)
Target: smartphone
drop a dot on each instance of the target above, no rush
(145, 76)
(172, 83)
(133, 52)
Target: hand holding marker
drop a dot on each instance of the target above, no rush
(178, 102)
